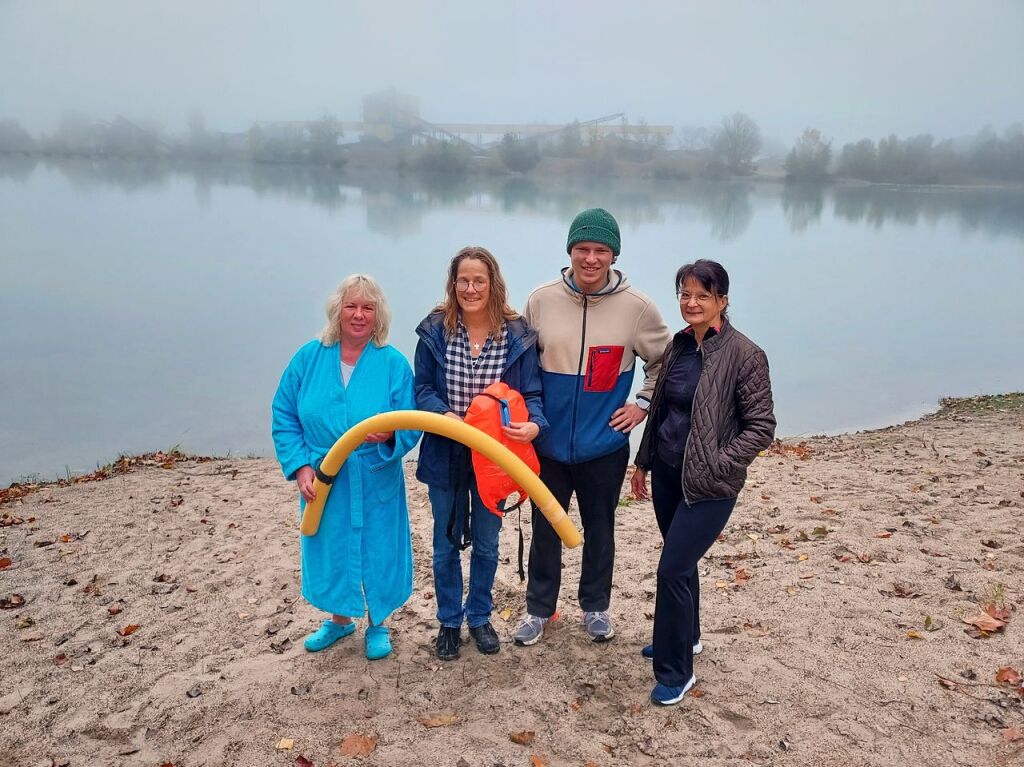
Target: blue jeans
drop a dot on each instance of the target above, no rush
(483, 561)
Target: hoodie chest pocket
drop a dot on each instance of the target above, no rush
(603, 363)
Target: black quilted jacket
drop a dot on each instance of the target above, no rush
(732, 420)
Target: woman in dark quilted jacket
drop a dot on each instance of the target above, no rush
(711, 414)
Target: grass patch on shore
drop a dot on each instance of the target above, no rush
(982, 403)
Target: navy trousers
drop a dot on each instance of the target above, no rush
(689, 531)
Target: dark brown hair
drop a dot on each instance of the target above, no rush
(710, 274)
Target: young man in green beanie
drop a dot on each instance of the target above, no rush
(591, 326)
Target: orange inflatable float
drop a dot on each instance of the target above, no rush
(498, 406)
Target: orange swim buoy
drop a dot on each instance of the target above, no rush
(498, 406)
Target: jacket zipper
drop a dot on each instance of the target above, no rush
(576, 391)
(689, 434)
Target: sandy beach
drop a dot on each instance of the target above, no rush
(860, 609)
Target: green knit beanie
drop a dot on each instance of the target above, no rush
(594, 225)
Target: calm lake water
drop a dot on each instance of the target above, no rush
(142, 307)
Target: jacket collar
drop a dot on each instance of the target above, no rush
(520, 337)
(713, 340)
(617, 282)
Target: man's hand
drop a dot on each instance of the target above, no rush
(639, 484)
(525, 431)
(378, 437)
(626, 417)
(304, 479)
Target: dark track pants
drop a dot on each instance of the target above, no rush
(597, 484)
(689, 531)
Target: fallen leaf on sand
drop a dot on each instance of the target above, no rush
(982, 625)
(1011, 734)
(1008, 675)
(114, 609)
(949, 684)
(741, 576)
(358, 745)
(60, 660)
(5, 562)
(506, 613)
(11, 602)
(128, 630)
(24, 622)
(440, 719)
(912, 634)
(536, 761)
(696, 693)
(285, 744)
(999, 613)
(523, 738)
(883, 534)
(301, 761)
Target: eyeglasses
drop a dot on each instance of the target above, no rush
(702, 298)
(462, 285)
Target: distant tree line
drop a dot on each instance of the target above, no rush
(734, 147)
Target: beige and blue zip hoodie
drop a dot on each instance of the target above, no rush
(588, 347)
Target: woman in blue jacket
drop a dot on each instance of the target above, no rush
(470, 341)
(360, 561)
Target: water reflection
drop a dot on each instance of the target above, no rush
(396, 202)
(994, 211)
(802, 205)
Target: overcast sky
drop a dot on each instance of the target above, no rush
(853, 69)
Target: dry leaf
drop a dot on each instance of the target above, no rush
(523, 738)
(982, 625)
(5, 562)
(741, 576)
(802, 558)
(536, 761)
(883, 534)
(358, 745)
(696, 692)
(440, 719)
(815, 499)
(114, 609)
(506, 613)
(999, 613)
(301, 761)
(285, 744)
(912, 634)
(949, 684)
(11, 602)
(1011, 734)
(128, 630)
(1008, 675)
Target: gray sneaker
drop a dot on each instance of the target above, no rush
(530, 630)
(599, 626)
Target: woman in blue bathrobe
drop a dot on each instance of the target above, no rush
(360, 560)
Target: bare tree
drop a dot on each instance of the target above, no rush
(737, 142)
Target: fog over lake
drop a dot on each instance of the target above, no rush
(143, 308)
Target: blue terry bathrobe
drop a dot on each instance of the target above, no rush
(361, 557)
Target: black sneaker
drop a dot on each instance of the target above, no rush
(486, 639)
(446, 646)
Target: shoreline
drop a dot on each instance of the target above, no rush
(840, 611)
(358, 166)
(125, 463)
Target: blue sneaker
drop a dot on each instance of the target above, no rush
(665, 695)
(329, 633)
(378, 642)
(648, 651)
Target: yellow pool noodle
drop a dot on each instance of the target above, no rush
(468, 435)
